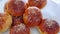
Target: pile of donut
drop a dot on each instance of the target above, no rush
(19, 17)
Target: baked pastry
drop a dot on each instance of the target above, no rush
(49, 26)
(5, 22)
(15, 7)
(32, 16)
(38, 3)
(17, 20)
(20, 29)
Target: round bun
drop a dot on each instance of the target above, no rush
(5, 22)
(49, 26)
(20, 29)
(15, 7)
(38, 3)
(32, 16)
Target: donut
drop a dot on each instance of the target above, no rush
(15, 7)
(38, 3)
(5, 22)
(32, 16)
(49, 26)
(20, 29)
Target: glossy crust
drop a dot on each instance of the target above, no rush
(15, 7)
(32, 16)
(20, 29)
(5, 22)
(38, 3)
(49, 26)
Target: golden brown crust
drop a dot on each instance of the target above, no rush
(32, 16)
(15, 7)
(49, 26)
(41, 32)
(6, 23)
(20, 29)
(38, 3)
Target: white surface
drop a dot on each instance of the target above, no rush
(56, 1)
(52, 11)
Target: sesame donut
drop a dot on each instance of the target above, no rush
(20, 29)
(5, 21)
(15, 7)
(32, 16)
(49, 26)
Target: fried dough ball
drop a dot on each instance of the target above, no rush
(32, 16)
(5, 22)
(17, 20)
(38, 3)
(20, 29)
(15, 7)
(49, 26)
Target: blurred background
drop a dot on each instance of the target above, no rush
(51, 10)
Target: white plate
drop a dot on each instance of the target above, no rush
(52, 11)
